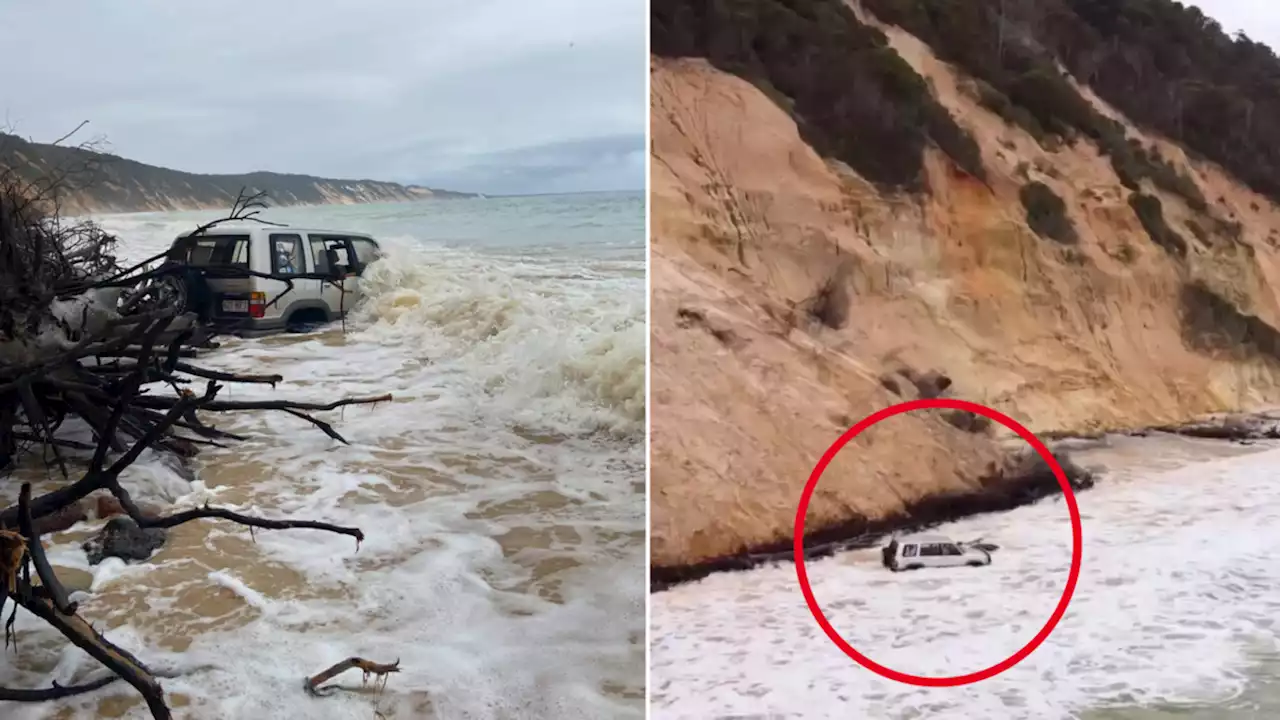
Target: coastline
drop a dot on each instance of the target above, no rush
(450, 196)
(1017, 485)
(80, 210)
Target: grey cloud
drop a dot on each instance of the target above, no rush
(1257, 18)
(392, 89)
(606, 163)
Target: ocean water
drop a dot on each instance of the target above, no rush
(1176, 614)
(501, 492)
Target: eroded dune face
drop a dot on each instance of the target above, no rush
(791, 298)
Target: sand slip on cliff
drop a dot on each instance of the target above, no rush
(792, 297)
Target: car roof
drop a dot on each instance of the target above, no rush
(283, 229)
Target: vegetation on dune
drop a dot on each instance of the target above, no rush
(853, 97)
(1214, 325)
(1164, 65)
(1150, 212)
(1047, 213)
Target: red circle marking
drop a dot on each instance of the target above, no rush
(803, 575)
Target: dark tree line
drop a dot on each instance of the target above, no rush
(1169, 67)
(854, 98)
(1165, 65)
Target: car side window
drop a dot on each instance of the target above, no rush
(908, 551)
(286, 255)
(931, 550)
(322, 243)
(951, 549)
(219, 250)
(366, 252)
(318, 259)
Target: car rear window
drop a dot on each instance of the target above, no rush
(286, 255)
(212, 250)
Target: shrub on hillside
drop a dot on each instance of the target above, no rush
(1013, 53)
(1047, 213)
(853, 97)
(1016, 115)
(1150, 213)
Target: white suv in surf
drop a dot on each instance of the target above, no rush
(922, 551)
(229, 299)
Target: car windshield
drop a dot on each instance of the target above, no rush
(212, 250)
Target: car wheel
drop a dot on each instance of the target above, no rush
(914, 567)
(305, 321)
(975, 563)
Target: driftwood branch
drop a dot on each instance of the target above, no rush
(368, 667)
(35, 550)
(57, 692)
(83, 636)
(66, 137)
(105, 372)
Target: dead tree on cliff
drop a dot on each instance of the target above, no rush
(85, 340)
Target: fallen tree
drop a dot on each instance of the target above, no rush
(85, 340)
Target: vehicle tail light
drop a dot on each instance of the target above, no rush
(257, 304)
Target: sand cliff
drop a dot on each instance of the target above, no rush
(790, 297)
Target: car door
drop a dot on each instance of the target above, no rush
(287, 258)
(337, 296)
(931, 555)
(952, 554)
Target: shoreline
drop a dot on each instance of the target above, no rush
(212, 208)
(451, 196)
(1018, 485)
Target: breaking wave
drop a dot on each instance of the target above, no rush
(548, 341)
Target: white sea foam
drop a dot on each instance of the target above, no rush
(505, 573)
(1180, 582)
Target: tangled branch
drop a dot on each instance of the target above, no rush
(83, 338)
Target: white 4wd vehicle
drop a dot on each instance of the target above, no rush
(922, 551)
(233, 301)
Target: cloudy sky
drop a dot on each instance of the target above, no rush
(1259, 19)
(496, 96)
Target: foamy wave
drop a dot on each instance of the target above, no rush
(551, 341)
(500, 568)
(1176, 589)
(574, 348)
